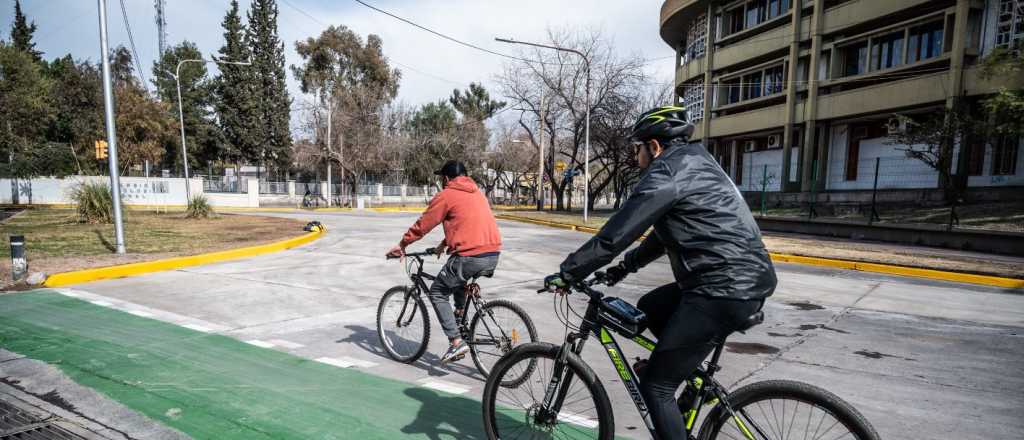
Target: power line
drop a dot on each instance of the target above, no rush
(131, 40)
(414, 69)
(449, 38)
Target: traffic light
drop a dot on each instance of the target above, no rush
(101, 150)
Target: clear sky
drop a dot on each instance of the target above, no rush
(431, 66)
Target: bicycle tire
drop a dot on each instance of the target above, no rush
(494, 417)
(814, 397)
(486, 311)
(424, 318)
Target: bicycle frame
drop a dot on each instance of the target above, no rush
(593, 324)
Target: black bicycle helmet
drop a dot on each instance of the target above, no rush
(663, 123)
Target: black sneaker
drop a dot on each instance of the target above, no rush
(455, 352)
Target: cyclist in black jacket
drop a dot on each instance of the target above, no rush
(701, 222)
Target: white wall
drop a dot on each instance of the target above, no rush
(896, 170)
(754, 169)
(153, 191)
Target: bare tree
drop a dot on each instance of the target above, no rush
(561, 77)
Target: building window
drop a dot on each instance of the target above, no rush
(824, 63)
(975, 159)
(925, 42)
(693, 100)
(887, 51)
(774, 80)
(1004, 156)
(855, 59)
(732, 91)
(696, 39)
(750, 14)
(752, 85)
(1010, 24)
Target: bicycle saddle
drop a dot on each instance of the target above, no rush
(750, 321)
(485, 274)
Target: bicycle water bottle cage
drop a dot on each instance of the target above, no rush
(622, 317)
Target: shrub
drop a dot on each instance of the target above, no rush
(199, 207)
(93, 202)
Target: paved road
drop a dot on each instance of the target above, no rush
(920, 359)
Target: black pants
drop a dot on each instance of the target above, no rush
(685, 325)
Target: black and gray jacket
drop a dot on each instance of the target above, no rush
(700, 220)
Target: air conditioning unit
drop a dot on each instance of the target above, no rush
(774, 141)
(749, 146)
(896, 126)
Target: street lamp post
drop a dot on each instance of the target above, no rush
(586, 164)
(181, 113)
(108, 117)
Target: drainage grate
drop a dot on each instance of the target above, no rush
(16, 424)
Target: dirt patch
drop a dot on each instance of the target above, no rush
(877, 355)
(805, 306)
(56, 242)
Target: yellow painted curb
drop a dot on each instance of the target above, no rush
(125, 270)
(985, 280)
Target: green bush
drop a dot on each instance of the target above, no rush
(94, 202)
(199, 207)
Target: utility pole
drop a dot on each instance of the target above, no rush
(329, 154)
(540, 158)
(108, 107)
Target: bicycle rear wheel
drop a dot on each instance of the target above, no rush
(784, 410)
(517, 412)
(497, 328)
(403, 324)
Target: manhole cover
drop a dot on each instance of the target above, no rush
(18, 424)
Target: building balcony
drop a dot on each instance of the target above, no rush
(676, 16)
(745, 47)
(750, 121)
(691, 70)
(857, 12)
(921, 90)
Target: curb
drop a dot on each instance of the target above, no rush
(125, 270)
(985, 280)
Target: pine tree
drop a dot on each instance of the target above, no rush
(273, 106)
(21, 33)
(235, 91)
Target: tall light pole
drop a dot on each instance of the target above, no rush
(586, 164)
(181, 113)
(108, 114)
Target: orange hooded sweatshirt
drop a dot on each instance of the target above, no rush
(469, 226)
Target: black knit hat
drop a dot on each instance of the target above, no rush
(452, 169)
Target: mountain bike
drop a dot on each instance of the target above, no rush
(496, 328)
(564, 398)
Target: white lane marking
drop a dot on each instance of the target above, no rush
(448, 387)
(102, 303)
(285, 344)
(346, 362)
(140, 313)
(68, 292)
(577, 420)
(197, 328)
(260, 343)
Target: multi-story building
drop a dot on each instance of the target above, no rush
(790, 94)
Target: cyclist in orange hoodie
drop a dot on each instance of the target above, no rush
(471, 238)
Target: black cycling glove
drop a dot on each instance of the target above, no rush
(616, 273)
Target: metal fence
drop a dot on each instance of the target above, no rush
(891, 190)
(224, 186)
(392, 190)
(273, 187)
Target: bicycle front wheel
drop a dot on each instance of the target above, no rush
(403, 324)
(784, 410)
(497, 328)
(519, 412)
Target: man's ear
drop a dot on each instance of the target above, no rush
(656, 150)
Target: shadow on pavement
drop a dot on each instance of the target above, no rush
(368, 340)
(443, 416)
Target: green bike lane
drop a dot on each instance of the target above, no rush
(210, 386)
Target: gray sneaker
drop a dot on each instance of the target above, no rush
(455, 352)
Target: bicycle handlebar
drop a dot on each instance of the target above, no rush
(582, 286)
(428, 251)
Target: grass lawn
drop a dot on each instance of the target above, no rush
(56, 242)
